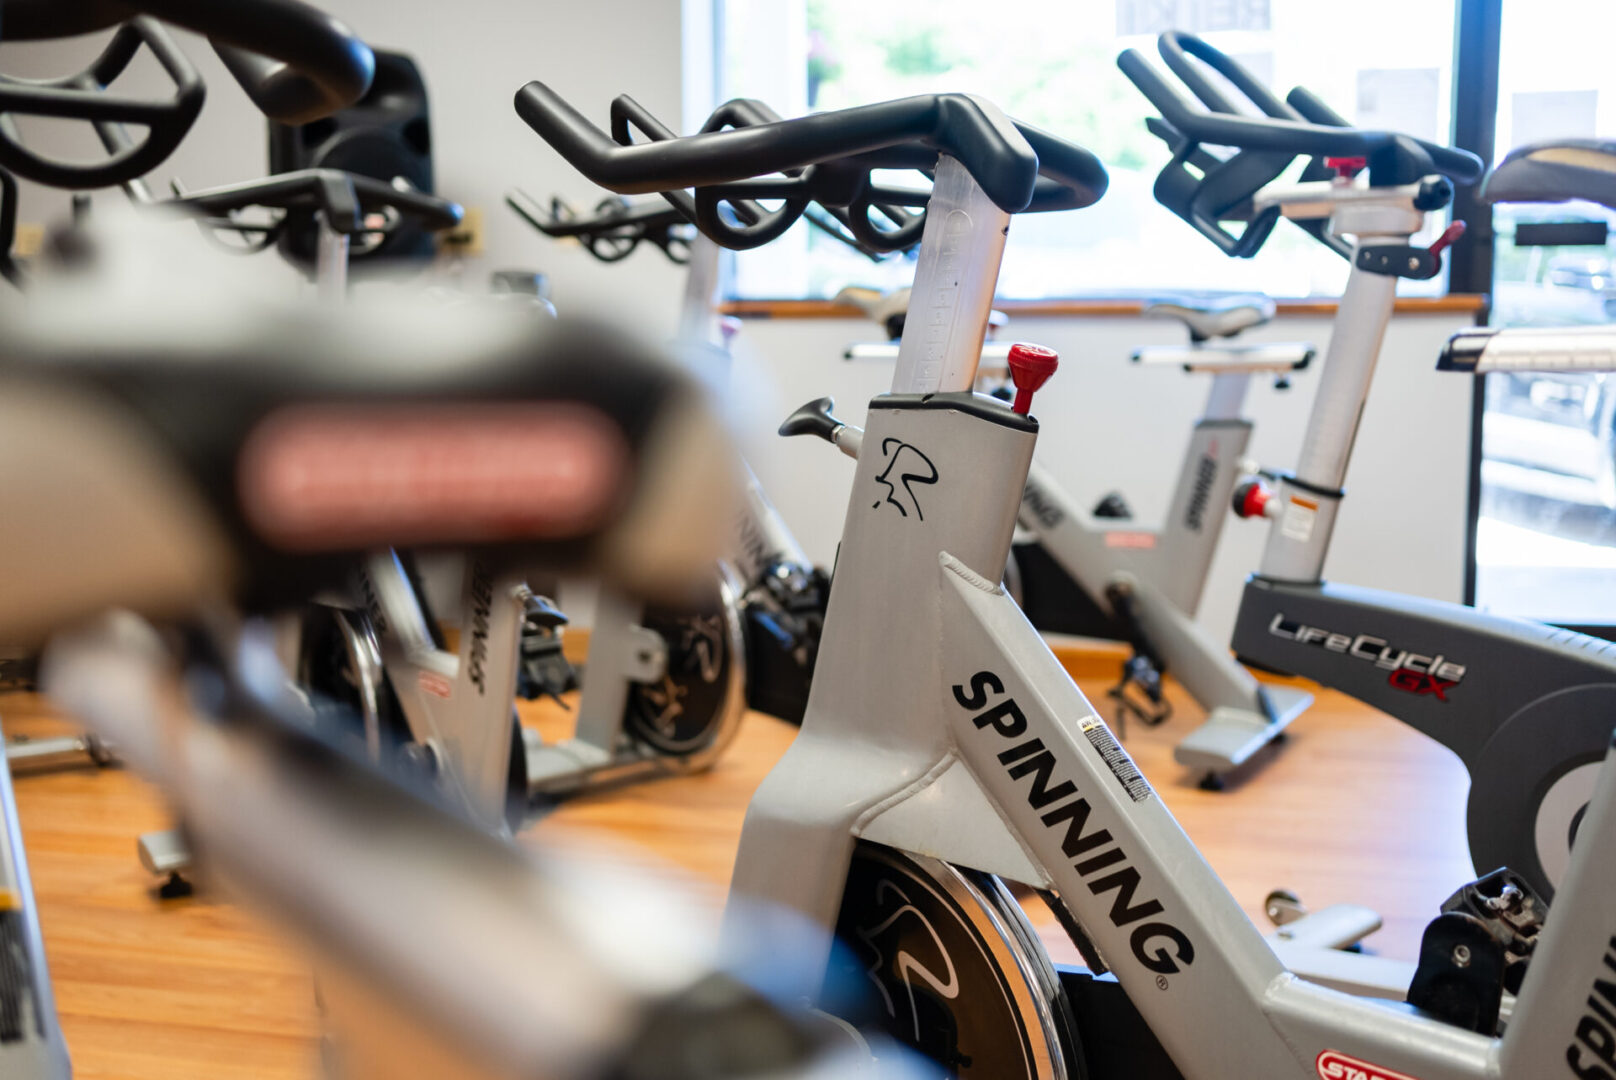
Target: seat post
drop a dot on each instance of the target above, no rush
(961, 248)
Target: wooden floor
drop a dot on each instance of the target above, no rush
(1354, 807)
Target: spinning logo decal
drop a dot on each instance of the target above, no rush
(906, 466)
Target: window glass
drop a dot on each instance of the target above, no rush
(1052, 63)
(1546, 536)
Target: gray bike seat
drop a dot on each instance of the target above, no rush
(1555, 171)
(1213, 316)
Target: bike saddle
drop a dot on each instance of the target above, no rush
(827, 158)
(230, 447)
(1210, 317)
(890, 308)
(1556, 170)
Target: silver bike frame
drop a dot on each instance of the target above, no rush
(35, 1051)
(940, 723)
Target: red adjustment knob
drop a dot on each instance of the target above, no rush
(1449, 235)
(1030, 368)
(1346, 166)
(1251, 499)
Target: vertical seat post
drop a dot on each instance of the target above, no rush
(961, 247)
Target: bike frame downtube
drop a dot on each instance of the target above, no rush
(961, 246)
(1300, 539)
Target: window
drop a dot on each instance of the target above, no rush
(1052, 63)
(1546, 525)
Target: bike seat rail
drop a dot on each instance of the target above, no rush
(295, 62)
(1208, 189)
(826, 158)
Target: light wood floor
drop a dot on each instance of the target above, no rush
(1354, 807)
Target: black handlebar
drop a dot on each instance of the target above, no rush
(825, 158)
(614, 229)
(344, 198)
(1284, 128)
(1207, 188)
(294, 61)
(83, 97)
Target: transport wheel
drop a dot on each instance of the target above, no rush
(944, 960)
(700, 697)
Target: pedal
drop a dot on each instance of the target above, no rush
(785, 615)
(1140, 695)
(543, 669)
(1477, 950)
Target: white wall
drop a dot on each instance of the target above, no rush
(1108, 424)
(474, 54)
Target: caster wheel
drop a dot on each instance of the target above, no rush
(1283, 906)
(1212, 782)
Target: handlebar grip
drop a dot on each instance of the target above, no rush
(309, 64)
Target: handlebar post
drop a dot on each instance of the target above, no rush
(955, 277)
(701, 286)
(331, 262)
(1300, 539)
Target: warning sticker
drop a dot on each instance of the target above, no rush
(1117, 760)
(1300, 514)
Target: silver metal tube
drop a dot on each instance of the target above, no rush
(331, 263)
(1226, 398)
(701, 285)
(1300, 540)
(960, 251)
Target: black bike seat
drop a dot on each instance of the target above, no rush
(1213, 316)
(1556, 170)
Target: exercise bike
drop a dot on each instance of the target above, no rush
(311, 67)
(1099, 573)
(175, 440)
(782, 594)
(1523, 705)
(985, 755)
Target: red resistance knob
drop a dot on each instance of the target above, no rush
(1449, 235)
(1346, 166)
(1030, 368)
(1251, 499)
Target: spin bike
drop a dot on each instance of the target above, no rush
(942, 734)
(194, 483)
(783, 595)
(312, 67)
(1524, 706)
(1100, 574)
